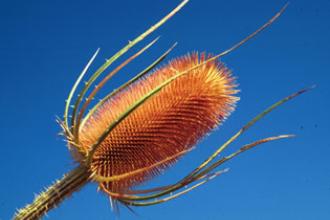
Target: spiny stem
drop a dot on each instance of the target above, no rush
(55, 194)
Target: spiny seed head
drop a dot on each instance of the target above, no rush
(164, 127)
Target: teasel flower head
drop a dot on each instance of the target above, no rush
(164, 127)
(146, 125)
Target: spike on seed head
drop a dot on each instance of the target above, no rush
(164, 127)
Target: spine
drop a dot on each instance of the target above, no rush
(54, 194)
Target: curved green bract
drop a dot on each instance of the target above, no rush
(116, 56)
(203, 177)
(129, 82)
(195, 173)
(73, 90)
(103, 82)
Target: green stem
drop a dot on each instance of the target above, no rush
(54, 195)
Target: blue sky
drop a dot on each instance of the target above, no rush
(45, 44)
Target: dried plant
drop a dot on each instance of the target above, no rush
(146, 125)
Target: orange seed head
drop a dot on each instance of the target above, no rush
(167, 125)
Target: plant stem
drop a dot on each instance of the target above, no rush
(55, 194)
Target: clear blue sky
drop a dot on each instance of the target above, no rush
(45, 44)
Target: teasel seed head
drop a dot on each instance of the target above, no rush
(161, 130)
(147, 124)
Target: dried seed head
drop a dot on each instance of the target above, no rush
(166, 126)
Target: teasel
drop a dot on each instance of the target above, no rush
(146, 125)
